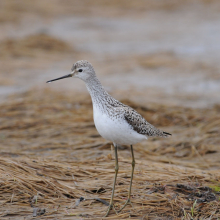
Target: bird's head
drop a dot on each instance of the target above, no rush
(81, 69)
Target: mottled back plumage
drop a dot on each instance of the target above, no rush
(140, 125)
(136, 121)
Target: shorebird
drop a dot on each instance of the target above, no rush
(114, 121)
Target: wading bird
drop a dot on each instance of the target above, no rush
(114, 121)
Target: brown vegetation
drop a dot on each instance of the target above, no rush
(15, 11)
(33, 46)
(54, 164)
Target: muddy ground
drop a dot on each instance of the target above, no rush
(160, 57)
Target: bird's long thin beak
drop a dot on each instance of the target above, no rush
(63, 77)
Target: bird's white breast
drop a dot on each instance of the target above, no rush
(115, 129)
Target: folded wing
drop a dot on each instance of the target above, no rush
(140, 125)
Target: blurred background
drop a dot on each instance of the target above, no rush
(161, 57)
(162, 51)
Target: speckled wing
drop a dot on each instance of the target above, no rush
(140, 125)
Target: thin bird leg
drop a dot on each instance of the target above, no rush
(132, 172)
(116, 173)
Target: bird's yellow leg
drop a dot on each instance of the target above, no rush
(132, 172)
(116, 173)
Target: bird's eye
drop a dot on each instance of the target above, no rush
(80, 70)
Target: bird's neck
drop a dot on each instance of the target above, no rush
(97, 92)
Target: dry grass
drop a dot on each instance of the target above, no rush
(16, 10)
(36, 51)
(52, 155)
(33, 46)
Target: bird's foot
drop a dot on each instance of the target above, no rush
(111, 206)
(126, 203)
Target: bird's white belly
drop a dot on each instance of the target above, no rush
(115, 129)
